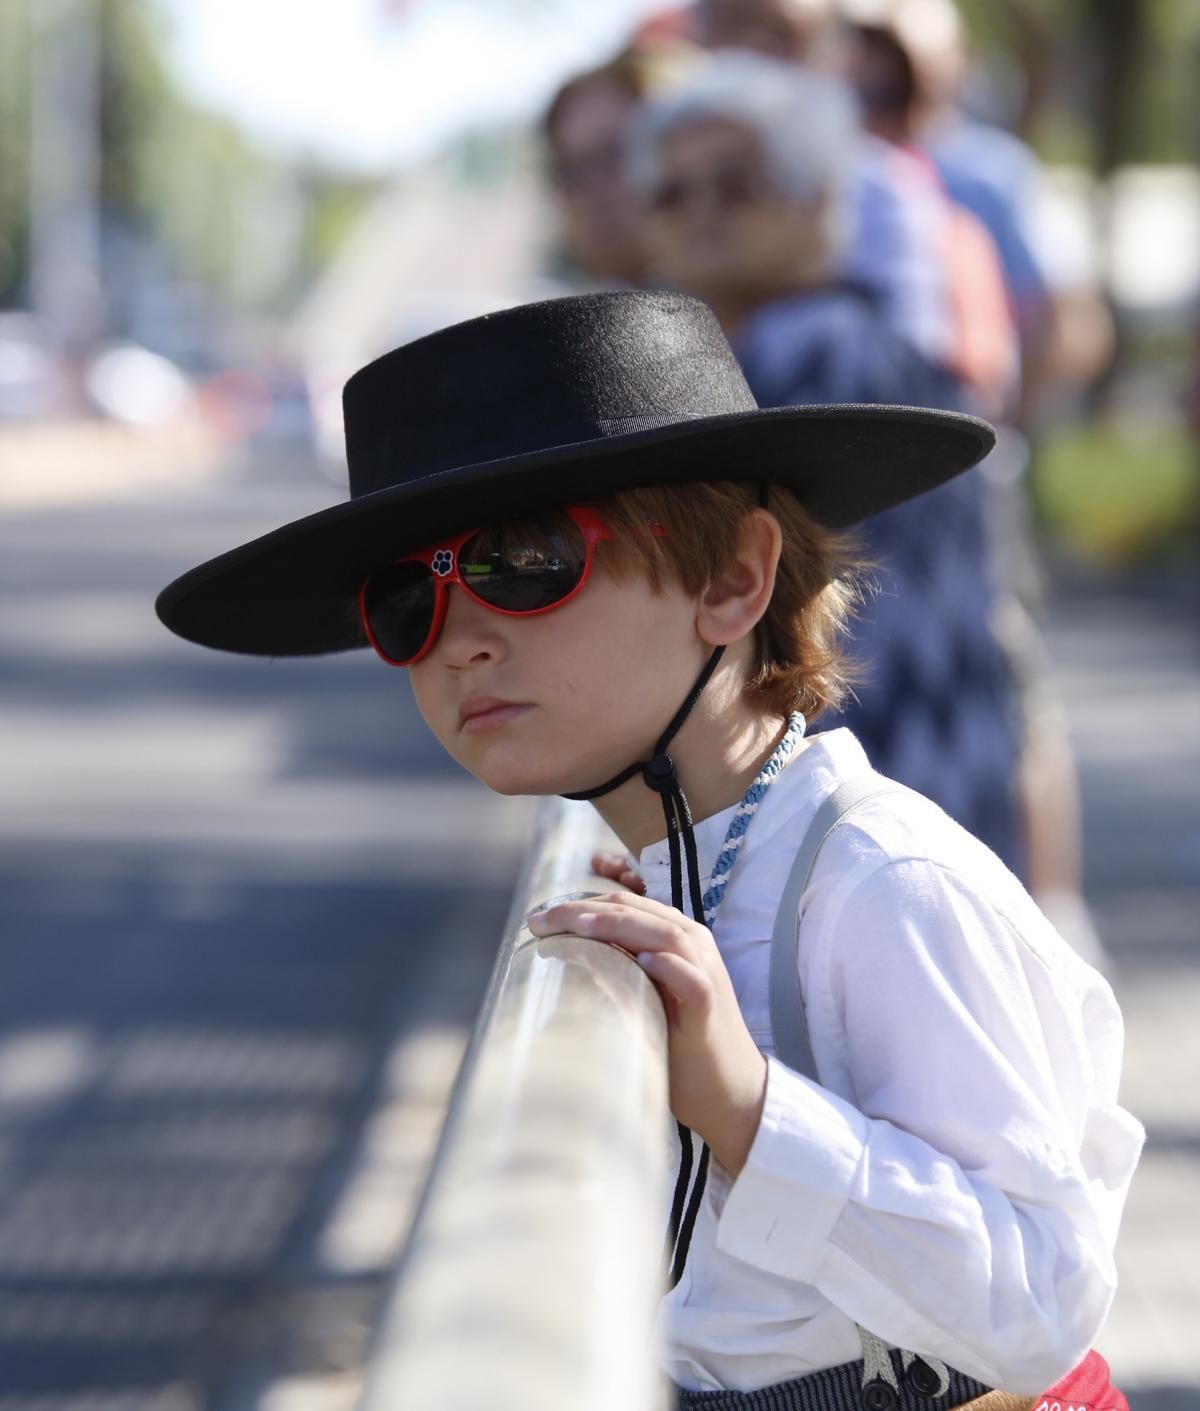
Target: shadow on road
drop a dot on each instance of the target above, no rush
(247, 911)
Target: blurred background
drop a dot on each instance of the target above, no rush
(247, 910)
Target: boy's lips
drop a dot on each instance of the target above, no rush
(481, 711)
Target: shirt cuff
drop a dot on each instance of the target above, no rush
(778, 1213)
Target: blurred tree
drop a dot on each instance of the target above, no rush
(15, 18)
(178, 176)
(1103, 81)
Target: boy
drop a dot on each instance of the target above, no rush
(548, 528)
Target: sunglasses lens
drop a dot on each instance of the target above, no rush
(398, 604)
(525, 567)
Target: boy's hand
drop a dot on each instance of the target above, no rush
(614, 866)
(716, 1073)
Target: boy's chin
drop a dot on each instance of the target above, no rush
(524, 786)
(517, 781)
(519, 767)
(512, 778)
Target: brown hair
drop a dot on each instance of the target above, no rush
(801, 663)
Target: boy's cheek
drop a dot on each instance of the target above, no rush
(435, 714)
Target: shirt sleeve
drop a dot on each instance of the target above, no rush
(965, 1203)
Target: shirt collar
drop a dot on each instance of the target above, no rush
(654, 862)
(825, 759)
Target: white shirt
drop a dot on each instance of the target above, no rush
(956, 1181)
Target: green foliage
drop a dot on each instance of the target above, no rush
(1096, 94)
(1164, 117)
(135, 95)
(14, 143)
(1118, 492)
(335, 205)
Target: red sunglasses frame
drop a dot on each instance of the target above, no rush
(444, 571)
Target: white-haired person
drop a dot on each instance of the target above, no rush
(931, 260)
(894, 245)
(745, 172)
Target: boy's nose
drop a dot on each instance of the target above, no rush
(470, 632)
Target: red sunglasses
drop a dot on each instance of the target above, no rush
(520, 570)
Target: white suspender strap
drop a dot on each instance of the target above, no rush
(788, 1026)
(790, 1029)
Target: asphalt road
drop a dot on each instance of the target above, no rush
(1128, 664)
(247, 910)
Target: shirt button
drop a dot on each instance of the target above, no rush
(878, 1396)
(923, 1379)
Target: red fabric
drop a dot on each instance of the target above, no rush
(984, 351)
(1087, 1388)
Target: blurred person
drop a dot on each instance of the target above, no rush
(585, 127)
(886, 53)
(893, 249)
(896, 53)
(932, 261)
(745, 170)
(799, 31)
(745, 173)
(907, 61)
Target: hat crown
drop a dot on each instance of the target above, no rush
(536, 377)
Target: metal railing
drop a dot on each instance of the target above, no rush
(532, 1276)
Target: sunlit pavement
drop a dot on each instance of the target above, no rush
(82, 462)
(247, 911)
(1129, 666)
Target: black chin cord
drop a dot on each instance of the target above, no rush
(658, 773)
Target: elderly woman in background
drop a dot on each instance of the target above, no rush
(746, 171)
(743, 170)
(894, 246)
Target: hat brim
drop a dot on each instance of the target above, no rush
(294, 591)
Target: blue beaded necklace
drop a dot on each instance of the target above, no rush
(744, 812)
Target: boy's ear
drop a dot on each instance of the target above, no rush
(735, 599)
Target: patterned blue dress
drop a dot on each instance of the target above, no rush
(937, 707)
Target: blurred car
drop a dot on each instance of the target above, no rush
(131, 384)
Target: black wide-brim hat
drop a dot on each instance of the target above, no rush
(560, 402)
